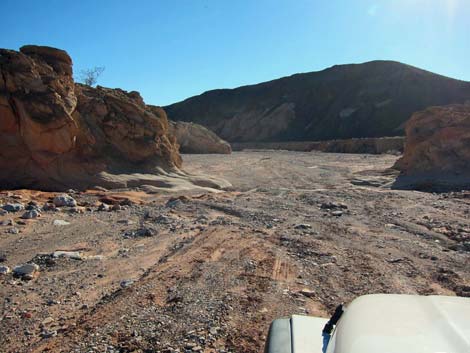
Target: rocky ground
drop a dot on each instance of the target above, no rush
(299, 233)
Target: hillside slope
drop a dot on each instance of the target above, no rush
(359, 100)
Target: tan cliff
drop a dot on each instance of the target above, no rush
(56, 134)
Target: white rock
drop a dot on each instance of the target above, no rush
(4, 270)
(96, 257)
(75, 255)
(64, 200)
(60, 222)
(104, 207)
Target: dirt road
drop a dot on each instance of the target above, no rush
(298, 233)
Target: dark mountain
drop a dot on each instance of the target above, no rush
(373, 99)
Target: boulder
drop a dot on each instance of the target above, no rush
(56, 134)
(195, 138)
(437, 149)
(27, 271)
(31, 214)
(64, 200)
(13, 207)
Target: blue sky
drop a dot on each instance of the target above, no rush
(171, 50)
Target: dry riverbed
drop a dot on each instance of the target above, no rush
(207, 272)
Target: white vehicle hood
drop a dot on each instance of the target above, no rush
(404, 324)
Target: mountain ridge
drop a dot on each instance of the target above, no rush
(319, 71)
(379, 95)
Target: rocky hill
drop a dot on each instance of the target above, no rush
(56, 134)
(373, 99)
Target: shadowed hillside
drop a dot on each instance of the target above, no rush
(373, 99)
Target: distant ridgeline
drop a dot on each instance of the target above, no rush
(373, 99)
(371, 145)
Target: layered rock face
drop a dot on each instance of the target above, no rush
(373, 99)
(56, 134)
(437, 149)
(195, 138)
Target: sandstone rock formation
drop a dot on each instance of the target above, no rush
(195, 138)
(437, 149)
(56, 134)
(373, 99)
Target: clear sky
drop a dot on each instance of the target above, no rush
(173, 49)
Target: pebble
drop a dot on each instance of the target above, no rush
(13, 230)
(60, 222)
(48, 334)
(49, 207)
(117, 207)
(333, 205)
(78, 209)
(13, 207)
(162, 219)
(142, 232)
(32, 206)
(26, 271)
(126, 283)
(8, 222)
(64, 200)
(48, 320)
(96, 257)
(337, 213)
(104, 207)
(4, 270)
(26, 315)
(75, 255)
(307, 292)
(31, 214)
(172, 203)
(302, 226)
(126, 221)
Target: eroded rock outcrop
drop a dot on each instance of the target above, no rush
(195, 138)
(56, 134)
(437, 150)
